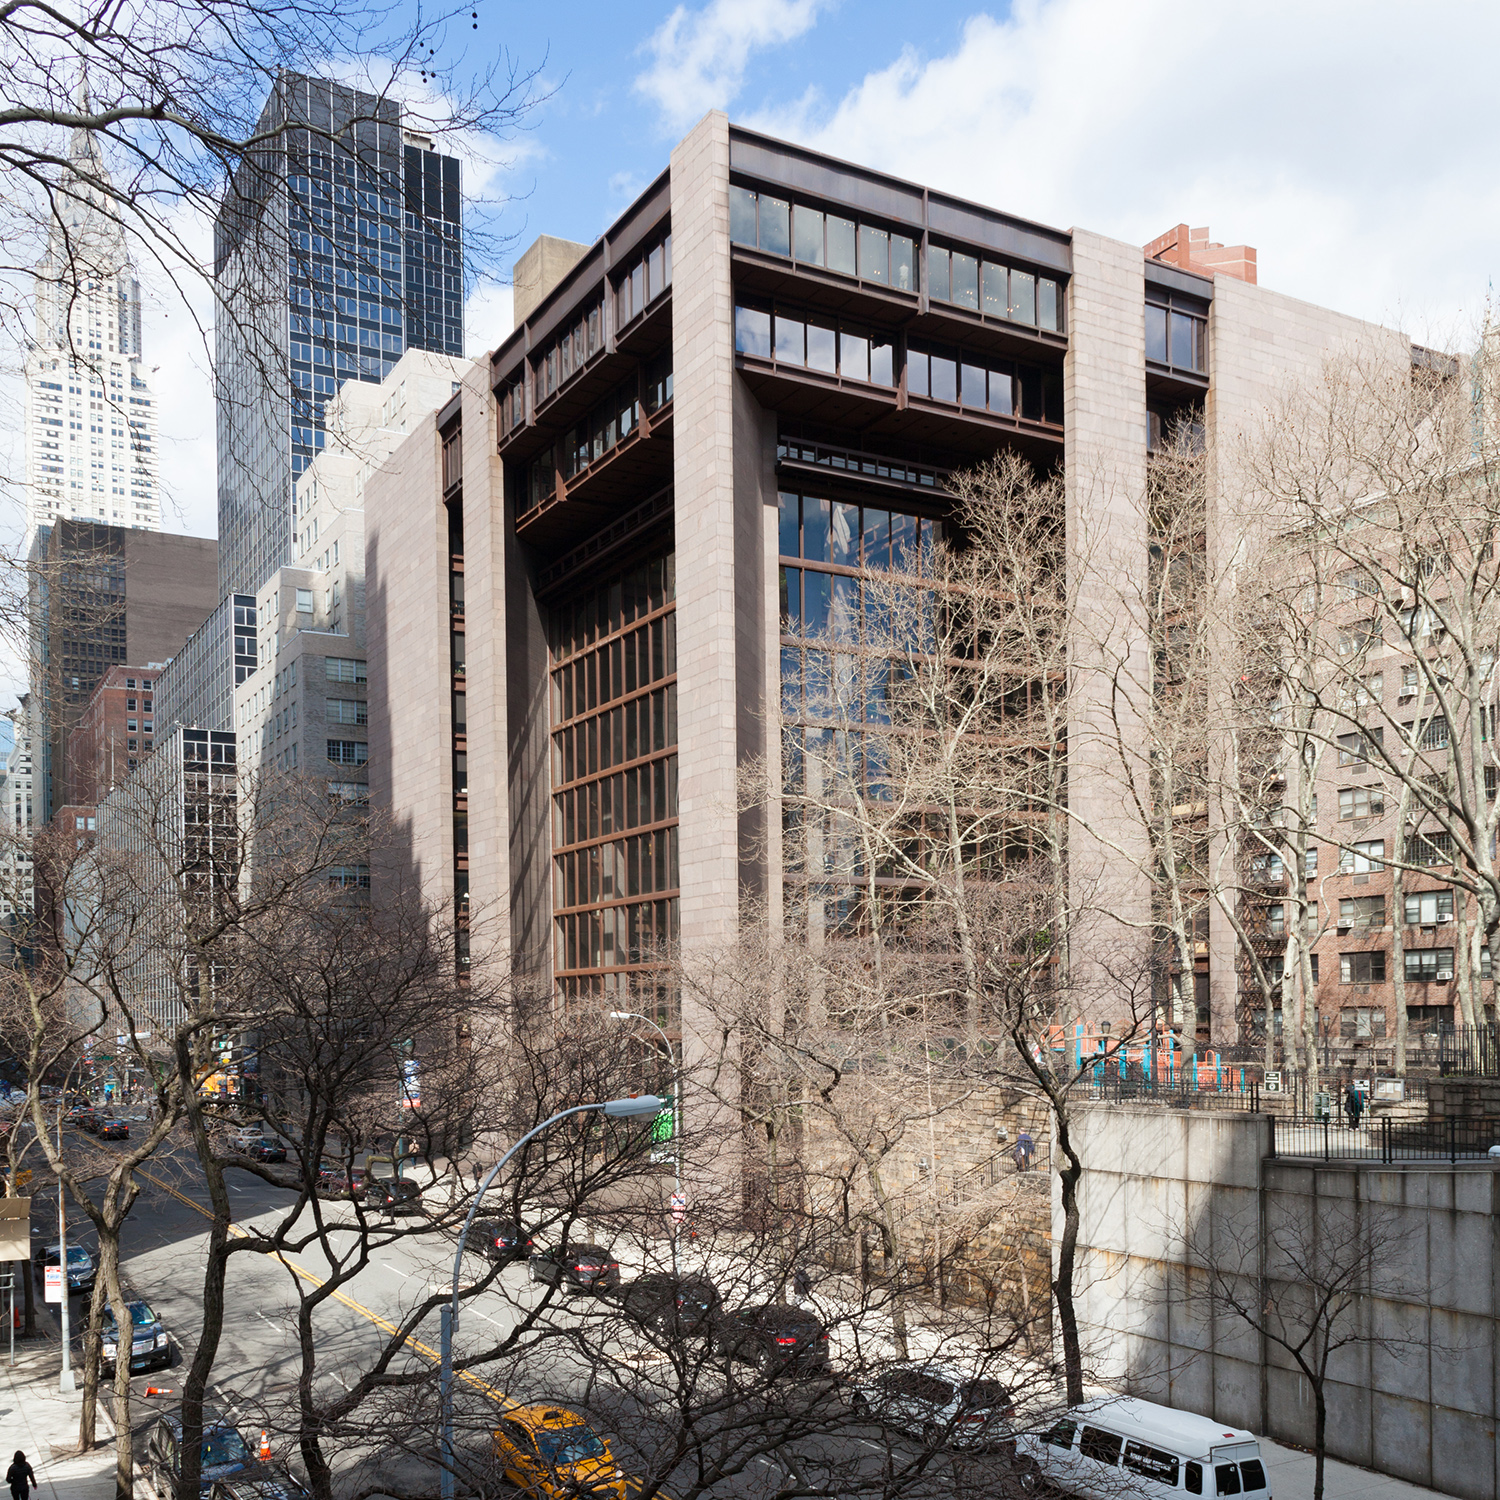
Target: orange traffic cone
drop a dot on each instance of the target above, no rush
(265, 1446)
(158, 1390)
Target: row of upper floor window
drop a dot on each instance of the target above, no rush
(976, 380)
(1419, 908)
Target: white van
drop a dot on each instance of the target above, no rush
(1120, 1446)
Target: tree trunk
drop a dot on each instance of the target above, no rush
(1461, 974)
(891, 1245)
(1069, 1175)
(1320, 1440)
(124, 1347)
(1398, 937)
(89, 1411)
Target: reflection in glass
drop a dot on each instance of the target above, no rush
(904, 543)
(741, 216)
(1047, 304)
(1023, 297)
(791, 345)
(939, 284)
(944, 379)
(965, 281)
(1156, 333)
(791, 681)
(822, 348)
(877, 539)
(816, 604)
(996, 297)
(882, 364)
(840, 245)
(973, 385)
(874, 254)
(901, 264)
(814, 529)
(775, 226)
(844, 537)
(752, 331)
(843, 617)
(807, 235)
(787, 508)
(791, 601)
(854, 356)
(1002, 397)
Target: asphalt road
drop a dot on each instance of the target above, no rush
(259, 1359)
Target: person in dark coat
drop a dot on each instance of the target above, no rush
(1354, 1106)
(20, 1476)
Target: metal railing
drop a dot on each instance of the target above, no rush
(1469, 1051)
(1384, 1140)
(1180, 1093)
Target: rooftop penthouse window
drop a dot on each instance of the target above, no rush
(992, 289)
(813, 237)
(644, 282)
(1176, 335)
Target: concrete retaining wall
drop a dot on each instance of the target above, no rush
(1167, 1193)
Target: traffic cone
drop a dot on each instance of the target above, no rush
(158, 1390)
(265, 1446)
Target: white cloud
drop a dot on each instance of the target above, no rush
(1348, 144)
(700, 56)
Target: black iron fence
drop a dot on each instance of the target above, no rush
(1332, 1138)
(1467, 1051)
(1179, 1093)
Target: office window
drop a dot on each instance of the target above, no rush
(1361, 1021)
(814, 341)
(1177, 336)
(347, 711)
(1361, 802)
(1429, 965)
(1427, 908)
(355, 792)
(342, 669)
(350, 877)
(996, 290)
(304, 601)
(348, 752)
(1354, 749)
(821, 237)
(1362, 968)
(1362, 911)
(979, 381)
(1365, 856)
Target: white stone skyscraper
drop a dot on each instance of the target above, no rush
(91, 415)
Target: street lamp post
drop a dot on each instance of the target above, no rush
(635, 1015)
(65, 1382)
(615, 1109)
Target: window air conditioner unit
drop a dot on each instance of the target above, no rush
(1445, 974)
(1444, 919)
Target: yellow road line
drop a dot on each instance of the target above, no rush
(426, 1350)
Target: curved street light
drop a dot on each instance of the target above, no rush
(614, 1109)
(635, 1015)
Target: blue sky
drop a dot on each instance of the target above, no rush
(1350, 143)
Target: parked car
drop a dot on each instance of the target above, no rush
(242, 1137)
(501, 1240)
(590, 1268)
(81, 1271)
(1123, 1445)
(938, 1404)
(150, 1349)
(225, 1456)
(263, 1148)
(552, 1451)
(112, 1129)
(252, 1485)
(775, 1338)
(336, 1182)
(672, 1304)
(392, 1195)
(85, 1119)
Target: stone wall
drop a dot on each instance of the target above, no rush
(1168, 1192)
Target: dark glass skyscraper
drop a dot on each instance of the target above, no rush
(337, 248)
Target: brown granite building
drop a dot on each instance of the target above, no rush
(595, 580)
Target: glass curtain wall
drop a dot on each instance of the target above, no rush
(614, 783)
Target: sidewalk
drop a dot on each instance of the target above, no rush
(1291, 1476)
(36, 1418)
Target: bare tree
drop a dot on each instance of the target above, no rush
(1305, 1283)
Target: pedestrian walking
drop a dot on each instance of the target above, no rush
(476, 1179)
(1354, 1106)
(20, 1476)
(801, 1284)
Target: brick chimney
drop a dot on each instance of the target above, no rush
(1194, 251)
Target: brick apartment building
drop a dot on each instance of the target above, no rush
(114, 733)
(593, 579)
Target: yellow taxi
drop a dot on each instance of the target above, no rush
(552, 1452)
